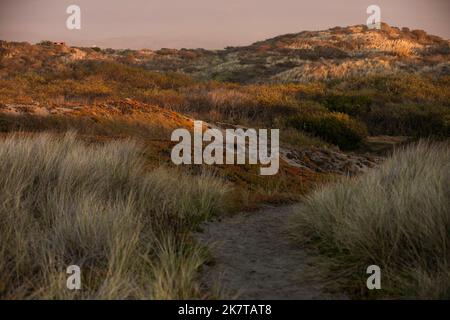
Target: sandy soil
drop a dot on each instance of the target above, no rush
(253, 257)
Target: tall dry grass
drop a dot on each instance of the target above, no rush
(396, 217)
(63, 202)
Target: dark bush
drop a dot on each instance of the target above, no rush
(336, 128)
(350, 104)
(410, 120)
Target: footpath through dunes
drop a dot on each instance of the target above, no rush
(253, 257)
(252, 254)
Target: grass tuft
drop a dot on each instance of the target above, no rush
(396, 217)
(64, 202)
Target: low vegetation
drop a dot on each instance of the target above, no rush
(396, 216)
(336, 128)
(401, 104)
(64, 202)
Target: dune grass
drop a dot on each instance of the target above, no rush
(396, 216)
(64, 202)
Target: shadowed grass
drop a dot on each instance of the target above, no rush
(396, 217)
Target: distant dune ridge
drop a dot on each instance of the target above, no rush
(299, 57)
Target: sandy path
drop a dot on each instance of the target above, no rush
(253, 257)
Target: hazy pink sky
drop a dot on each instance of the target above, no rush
(203, 23)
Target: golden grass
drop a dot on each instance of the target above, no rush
(63, 202)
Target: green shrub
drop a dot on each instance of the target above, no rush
(349, 104)
(409, 120)
(336, 128)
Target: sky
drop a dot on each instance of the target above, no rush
(210, 24)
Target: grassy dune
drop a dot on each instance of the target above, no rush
(110, 208)
(396, 217)
(64, 202)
